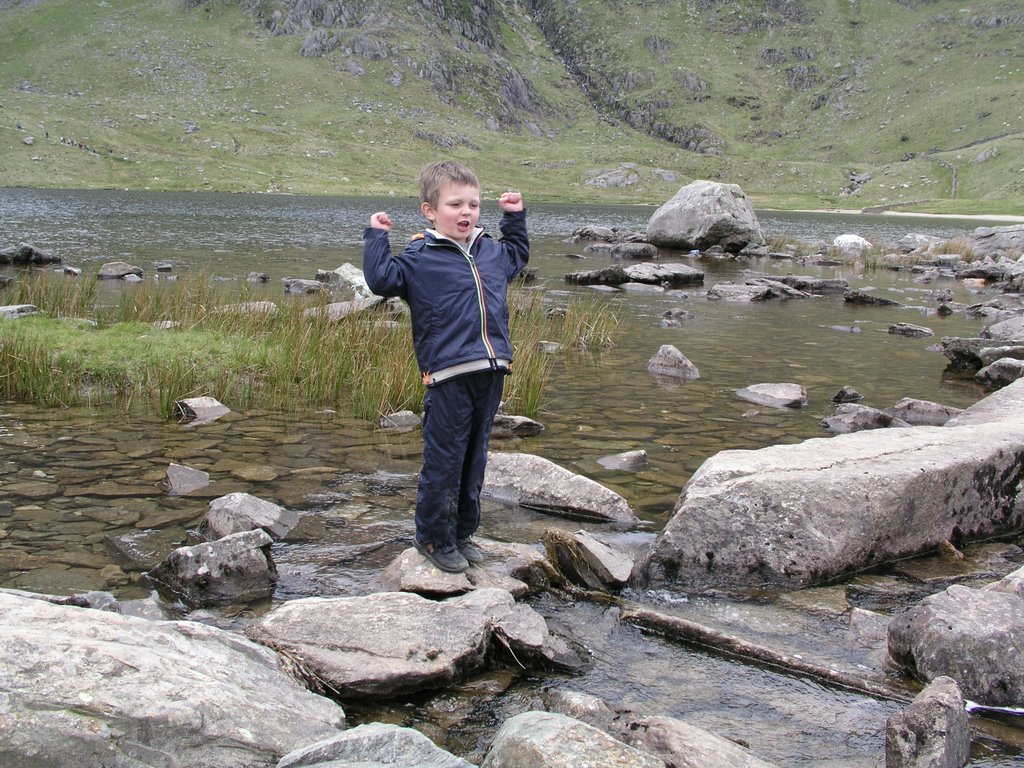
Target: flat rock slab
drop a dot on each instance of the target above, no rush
(783, 395)
(88, 687)
(536, 483)
(382, 645)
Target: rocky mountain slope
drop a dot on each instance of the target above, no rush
(848, 103)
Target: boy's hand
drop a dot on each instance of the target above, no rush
(511, 201)
(381, 220)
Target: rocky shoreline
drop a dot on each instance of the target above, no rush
(93, 680)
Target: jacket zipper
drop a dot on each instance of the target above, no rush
(480, 303)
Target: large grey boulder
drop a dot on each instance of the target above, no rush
(1012, 583)
(974, 636)
(992, 242)
(703, 214)
(381, 645)
(550, 740)
(933, 732)
(536, 483)
(339, 310)
(756, 289)
(235, 568)
(374, 745)
(800, 514)
(674, 741)
(350, 277)
(84, 687)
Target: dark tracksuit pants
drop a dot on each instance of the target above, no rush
(457, 418)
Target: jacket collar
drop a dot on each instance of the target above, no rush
(437, 237)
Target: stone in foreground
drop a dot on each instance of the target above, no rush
(374, 744)
(974, 636)
(549, 740)
(933, 731)
(85, 687)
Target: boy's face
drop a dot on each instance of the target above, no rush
(457, 211)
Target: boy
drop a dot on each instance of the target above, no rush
(454, 278)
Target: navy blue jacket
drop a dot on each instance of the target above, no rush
(458, 301)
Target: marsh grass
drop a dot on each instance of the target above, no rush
(590, 324)
(959, 244)
(208, 342)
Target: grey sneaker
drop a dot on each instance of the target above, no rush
(449, 559)
(470, 551)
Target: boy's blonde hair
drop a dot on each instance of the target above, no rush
(436, 175)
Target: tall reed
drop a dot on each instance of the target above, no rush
(287, 354)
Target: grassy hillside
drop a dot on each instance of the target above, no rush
(602, 100)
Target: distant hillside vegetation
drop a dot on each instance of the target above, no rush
(824, 103)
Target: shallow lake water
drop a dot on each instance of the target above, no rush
(82, 505)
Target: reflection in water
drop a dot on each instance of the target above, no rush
(82, 505)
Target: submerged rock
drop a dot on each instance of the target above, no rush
(181, 480)
(784, 395)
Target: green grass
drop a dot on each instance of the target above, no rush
(905, 86)
(79, 353)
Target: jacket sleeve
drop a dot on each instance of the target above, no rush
(383, 273)
(514, 241)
